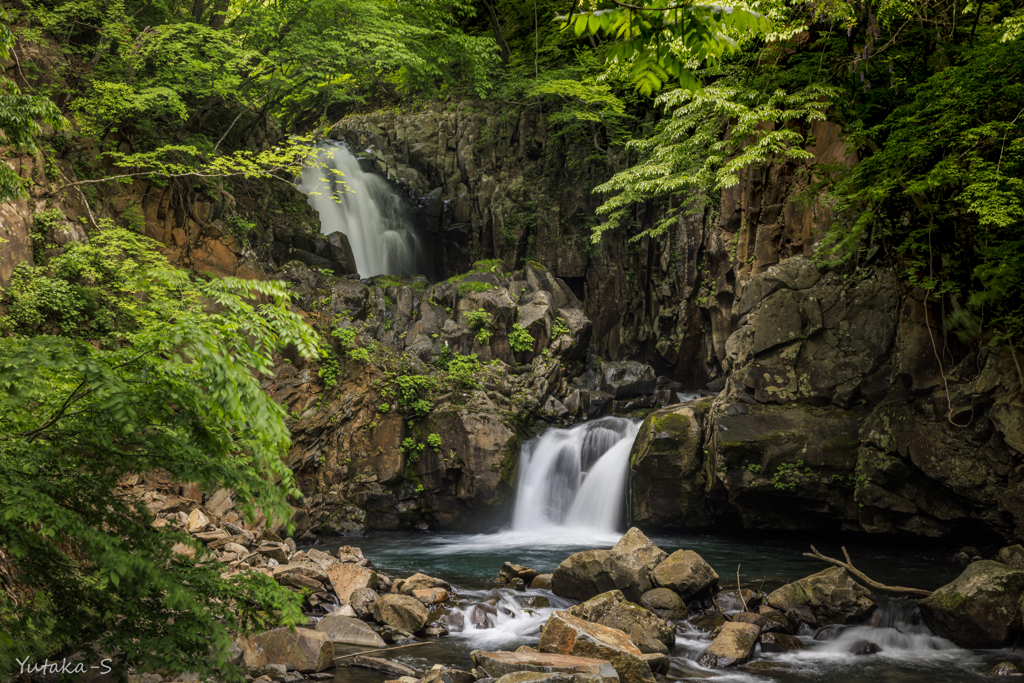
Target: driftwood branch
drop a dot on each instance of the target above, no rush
(848, 566)
(739, 589)
(381, 649)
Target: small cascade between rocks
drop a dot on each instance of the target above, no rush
(364, 207)
(572, 482)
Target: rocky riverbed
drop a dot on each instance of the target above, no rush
(632, 613)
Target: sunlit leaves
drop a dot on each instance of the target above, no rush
(660, 38)
(707, 138)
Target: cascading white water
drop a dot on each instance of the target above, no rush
(574, 480)
(362, 206)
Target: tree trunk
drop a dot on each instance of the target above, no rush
(498, 36)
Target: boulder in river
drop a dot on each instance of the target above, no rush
(347, 577)
(780, 642)
(401, 612)
(541, 581)
(665, 603)
(625, 567)
(1005, 669)
(361, 600)
(565, 634)
(498, 664)
(828, 597)
(979, 608)
(733, 645)
(1012, 556)
(303, 649)
(418, 582)
(686, 573)
(510, 571)
(349, 631)
(649, 632)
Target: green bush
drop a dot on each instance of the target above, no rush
(520, 340)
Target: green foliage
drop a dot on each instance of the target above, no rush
(329, 367)
(22, 118)
(434, 441)
(473, 286)
(463, 371)
(662, 39)
(705, 140)
(179, 393)
(560, 328)
(480, 321)
(950, 202)
(520, 339)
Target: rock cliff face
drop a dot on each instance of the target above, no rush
(366, 453)
(491, 181)
(836, 415)
(844, 403)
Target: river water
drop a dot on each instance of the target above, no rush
(571, 497)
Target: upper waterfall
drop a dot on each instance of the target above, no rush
(575, 479)
(364, 207)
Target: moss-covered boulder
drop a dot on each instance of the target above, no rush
(828, 597)
(667, 468)
(979, 608)
(686, 573)
(648, 631)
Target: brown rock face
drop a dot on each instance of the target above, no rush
(401, 611)
(500, 664)
(347, 577)
(686, 573)
(828, 597)
(300, 650)
(649, 632)
(733, 645)
(565, 634)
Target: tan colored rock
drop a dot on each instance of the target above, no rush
(401, 611)
(686, 573)
(351, 631)
(733, 645)
(431, 596)
(541, 581)
(649, 632)
(219, 503)
(183, 550)
(239, 550)
(209, 537)
(498, 664)
(307, 569)
(197, 521)
(347, 577)
(303, 649)
(274, 551)
(418, 582)
(568, 635)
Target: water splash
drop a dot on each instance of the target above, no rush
(364, 207)
(574, 480)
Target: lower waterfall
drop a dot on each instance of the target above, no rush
(574, 480)
(364, 207)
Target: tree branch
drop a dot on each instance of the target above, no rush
(848, 566)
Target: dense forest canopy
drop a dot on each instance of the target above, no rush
(930, 95)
